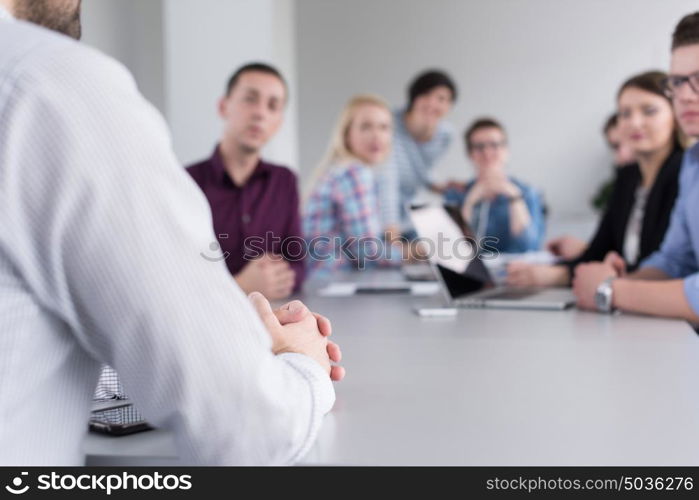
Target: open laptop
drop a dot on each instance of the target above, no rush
(462, 274)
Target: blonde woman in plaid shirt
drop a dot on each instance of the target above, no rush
(341, 222)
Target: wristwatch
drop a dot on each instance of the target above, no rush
(603, 296)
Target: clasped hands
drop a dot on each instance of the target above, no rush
(295, 328)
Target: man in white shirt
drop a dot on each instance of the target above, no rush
(101, 233)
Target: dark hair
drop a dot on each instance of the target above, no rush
(428, 80)
(255, 66)
(652, 81)
(479, 124)
(611, 122)
(686, 31)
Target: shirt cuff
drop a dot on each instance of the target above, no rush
(654, 260)
(658, 261)
(691, 291)
(322, 389)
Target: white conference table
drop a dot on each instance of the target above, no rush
(491, 387)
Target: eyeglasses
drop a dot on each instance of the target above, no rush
(673, 83)
(482, 146)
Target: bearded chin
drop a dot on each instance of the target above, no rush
(73, 29)
(51, 14)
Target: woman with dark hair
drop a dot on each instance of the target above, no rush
(638, 212)
(420, 138)
(495, 204)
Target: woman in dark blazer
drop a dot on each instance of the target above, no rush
(638, 213)
(611, 233)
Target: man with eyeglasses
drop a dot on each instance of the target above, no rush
(495, 204)
(667, 283)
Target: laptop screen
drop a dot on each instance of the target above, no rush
(453, 250)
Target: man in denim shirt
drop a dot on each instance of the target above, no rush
(668, 282)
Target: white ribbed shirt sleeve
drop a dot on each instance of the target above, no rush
(107, 231)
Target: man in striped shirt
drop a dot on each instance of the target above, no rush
(420, 138)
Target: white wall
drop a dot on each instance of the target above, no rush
(205, 41)
(182, 52)
(548, 69)
(132, 32)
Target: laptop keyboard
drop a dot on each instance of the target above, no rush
(511, 294)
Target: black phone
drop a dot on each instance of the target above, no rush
(118, 421)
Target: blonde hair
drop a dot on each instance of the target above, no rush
(338, 152)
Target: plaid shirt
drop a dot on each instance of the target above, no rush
(342, 224)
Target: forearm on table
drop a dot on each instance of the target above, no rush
(657, 298)
(560, 275)
(648, 273)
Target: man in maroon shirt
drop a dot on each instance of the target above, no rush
(255, 204)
